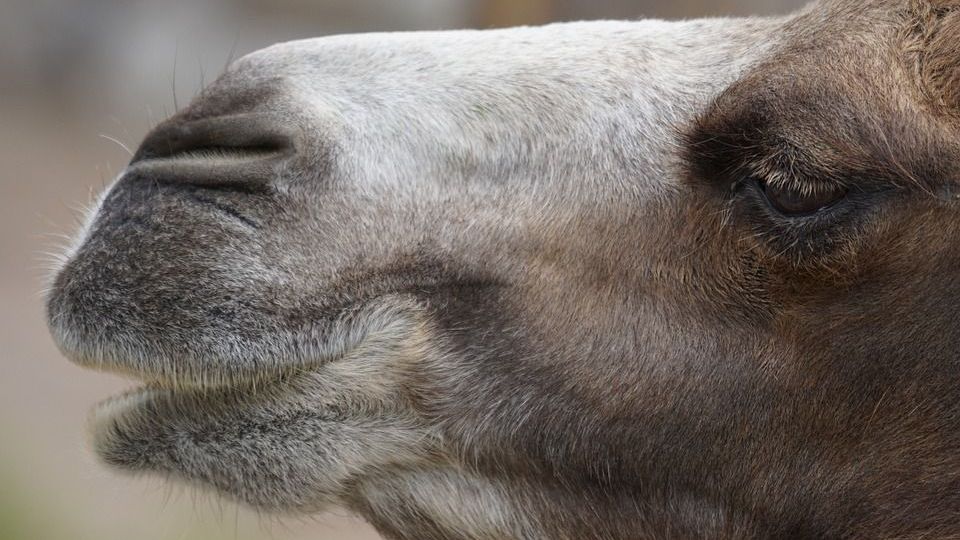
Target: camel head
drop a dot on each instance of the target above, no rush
(587, 280)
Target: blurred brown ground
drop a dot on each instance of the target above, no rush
(74, 72)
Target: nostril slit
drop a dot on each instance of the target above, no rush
(239, 152)
(213, 151)
(229, 136)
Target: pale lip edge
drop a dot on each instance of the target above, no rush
(105, 417)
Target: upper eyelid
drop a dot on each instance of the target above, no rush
(782, 180)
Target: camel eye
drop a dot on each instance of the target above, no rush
(790, 201)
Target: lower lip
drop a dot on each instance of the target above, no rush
(110, 413)
(115, 408)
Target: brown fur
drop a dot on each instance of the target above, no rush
(584, 362)
(933, 50)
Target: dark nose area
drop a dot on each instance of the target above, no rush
(237, 151)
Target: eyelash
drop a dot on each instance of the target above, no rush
(799, 237)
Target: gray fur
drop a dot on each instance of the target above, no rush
(468, 285)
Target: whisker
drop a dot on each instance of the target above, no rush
(203, 78)
(233, 51)
(173, 82)
(117, 141)
(121, 125)
(150, 120)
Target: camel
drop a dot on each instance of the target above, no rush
(635, 279)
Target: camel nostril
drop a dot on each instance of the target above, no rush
(238, 133)
(238, 151)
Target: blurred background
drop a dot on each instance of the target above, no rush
(81, 79)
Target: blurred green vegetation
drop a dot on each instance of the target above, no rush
(19, 516)
(26, 515)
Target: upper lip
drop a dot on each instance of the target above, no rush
(237, 151)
